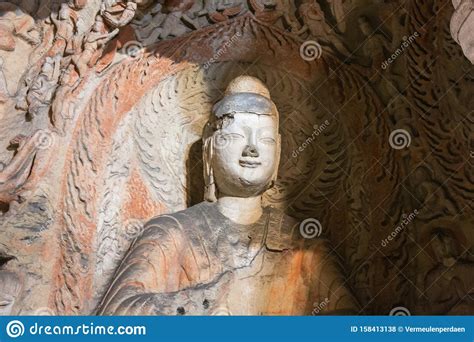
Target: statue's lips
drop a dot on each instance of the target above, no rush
(249, 164)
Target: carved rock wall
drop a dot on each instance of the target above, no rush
(102, 107)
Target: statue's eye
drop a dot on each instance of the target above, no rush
(232, 136)
(267, 140)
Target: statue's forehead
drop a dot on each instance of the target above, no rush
(242, 118)
(253, 121)
(244, 103)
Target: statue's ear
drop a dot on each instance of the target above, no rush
(277, 162)
(209, 184)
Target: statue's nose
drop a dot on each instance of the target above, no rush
(250, 151)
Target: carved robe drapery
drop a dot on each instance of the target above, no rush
(197, 261)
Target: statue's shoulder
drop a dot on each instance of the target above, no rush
(185, 221)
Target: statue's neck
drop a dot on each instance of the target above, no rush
(240, 210)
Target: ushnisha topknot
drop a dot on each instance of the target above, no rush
(247, 84)
(245, 94)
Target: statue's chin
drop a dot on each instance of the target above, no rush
(252, 187)
(244, 188)
(247, 182)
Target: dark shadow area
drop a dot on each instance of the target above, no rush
(195, 181)
(346, 174)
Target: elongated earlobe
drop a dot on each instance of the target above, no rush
(209, 184)
(275, 173)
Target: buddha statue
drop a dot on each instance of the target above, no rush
(230, 255)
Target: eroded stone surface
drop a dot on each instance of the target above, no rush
(91, 148)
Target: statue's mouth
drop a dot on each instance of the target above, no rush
(249, 164)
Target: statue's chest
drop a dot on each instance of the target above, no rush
(238, 248)
(261, 273)
(262, 284)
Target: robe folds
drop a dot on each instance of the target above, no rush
(199, 262)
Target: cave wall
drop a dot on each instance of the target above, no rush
(102, 105)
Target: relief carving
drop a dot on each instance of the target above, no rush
(97, 138)
(14, 22)
(315, 24)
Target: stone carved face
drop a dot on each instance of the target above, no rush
(241, 141)
(245, 154)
